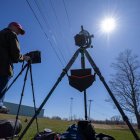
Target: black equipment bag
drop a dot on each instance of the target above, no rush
(46, 135)
(7, 128)
(70, 134)
(86, 130)
(81, 79)
(102, 136)
(83, 131)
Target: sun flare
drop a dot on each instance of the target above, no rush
(108, 25)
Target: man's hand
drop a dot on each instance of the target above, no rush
(26, 58)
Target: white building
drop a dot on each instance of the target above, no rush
(24, 110)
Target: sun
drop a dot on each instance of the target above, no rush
(108, 25)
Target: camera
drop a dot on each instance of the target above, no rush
(80, 40)
(83, 39)
(35, 56)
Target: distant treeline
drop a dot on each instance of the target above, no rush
(113, 120)
(108, 122)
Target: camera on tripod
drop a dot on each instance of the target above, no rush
(83, 39)
(35, 56)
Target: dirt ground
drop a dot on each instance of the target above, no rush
(106, 126)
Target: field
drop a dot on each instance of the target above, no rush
(118, 132)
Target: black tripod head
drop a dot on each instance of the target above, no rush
(83, 39)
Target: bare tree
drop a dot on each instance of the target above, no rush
(125, 83)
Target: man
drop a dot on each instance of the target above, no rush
(9, 54)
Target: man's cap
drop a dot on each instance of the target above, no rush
(22, 32)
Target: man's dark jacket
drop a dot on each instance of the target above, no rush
(9, 52)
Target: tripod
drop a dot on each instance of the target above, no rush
(84, 53)
(28, 68)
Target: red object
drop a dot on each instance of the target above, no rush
(18, 26)
(81, 79)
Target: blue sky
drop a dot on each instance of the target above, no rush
(61, 21)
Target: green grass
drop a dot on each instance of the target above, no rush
(60, 126)
(55, 125)
(118, 134)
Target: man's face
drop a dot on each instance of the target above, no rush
(16, 30)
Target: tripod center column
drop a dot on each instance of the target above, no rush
(85, 94)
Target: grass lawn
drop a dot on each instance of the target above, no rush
(118, 134)
(60, 127)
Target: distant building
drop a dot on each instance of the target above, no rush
(24, 110)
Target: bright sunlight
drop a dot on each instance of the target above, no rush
(108, 25)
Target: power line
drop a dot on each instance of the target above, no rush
(44, 31)
(53, 36)
(67, 15)
(45, 20)
(51, 3)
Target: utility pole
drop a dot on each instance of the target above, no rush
(89, 108)
(71, 105)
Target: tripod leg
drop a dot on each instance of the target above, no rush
(51, 91)
(125, 118)
(31, 77)
(2, 94)
(85, 104)
(22, 93)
